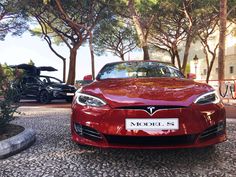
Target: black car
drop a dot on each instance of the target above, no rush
(42, 88)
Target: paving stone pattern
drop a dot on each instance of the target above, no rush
(54, 154)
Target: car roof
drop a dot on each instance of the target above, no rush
(130, 61)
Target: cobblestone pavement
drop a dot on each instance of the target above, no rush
(54, 154)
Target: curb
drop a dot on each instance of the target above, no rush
(17, 143)
(231, 119)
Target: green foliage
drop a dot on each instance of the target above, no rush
(144, 8)
(13, 18)
(178, 24)
(187, 68)
(8, 96)
(8, 72)
(37, 31)
(46, 1)
(31, 62)
(232, 12)
(72, 22)
(114, 35)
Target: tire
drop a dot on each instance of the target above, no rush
(44, 97)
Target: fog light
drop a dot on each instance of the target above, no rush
(78, 128)
(221, 126)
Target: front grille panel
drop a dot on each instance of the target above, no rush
(150, 140)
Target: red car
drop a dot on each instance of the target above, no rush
(146, 104)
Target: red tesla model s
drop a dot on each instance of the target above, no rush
(146, 104)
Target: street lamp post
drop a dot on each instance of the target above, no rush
(195, 59)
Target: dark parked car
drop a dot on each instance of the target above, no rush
(42, 88)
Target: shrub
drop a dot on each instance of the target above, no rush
(7, 97)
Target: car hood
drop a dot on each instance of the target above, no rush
(147, 91)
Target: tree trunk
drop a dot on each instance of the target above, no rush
(92, 54)
(145, 53)
(92, 65)
(172, 55)
(178, 60)
(210, 66)
(139, 29)
(72, 66)
(186, 52)
(221, 54)
(64, 70)
(176, 55)
(122, 56)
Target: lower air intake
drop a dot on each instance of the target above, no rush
(150, 140)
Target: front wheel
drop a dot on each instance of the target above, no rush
(44, 97)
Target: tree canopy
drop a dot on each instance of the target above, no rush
(13, 18)
(72, 23)
(118, 26)
(115, 35)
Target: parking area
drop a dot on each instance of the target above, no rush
(54, 154)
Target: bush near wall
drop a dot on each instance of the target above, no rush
(7, 96)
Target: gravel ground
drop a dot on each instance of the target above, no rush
(54, 154)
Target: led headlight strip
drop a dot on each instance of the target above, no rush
(89, 100)
(207, 98)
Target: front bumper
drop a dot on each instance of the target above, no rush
(199, 126)
(62, 94)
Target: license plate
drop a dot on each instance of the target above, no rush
(69, 94)
(152, 124)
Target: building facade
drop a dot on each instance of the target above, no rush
(200, 67)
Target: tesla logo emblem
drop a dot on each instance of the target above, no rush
(151, 110)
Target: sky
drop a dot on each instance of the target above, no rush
(18, 50)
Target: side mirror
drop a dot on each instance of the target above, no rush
(88, 78)
(191, 76)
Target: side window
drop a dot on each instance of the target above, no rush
(175, 73)
(165, 72)
(43, 79)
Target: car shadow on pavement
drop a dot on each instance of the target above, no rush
(166, 161)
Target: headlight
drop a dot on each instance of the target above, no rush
(210, 97)
(84, 99)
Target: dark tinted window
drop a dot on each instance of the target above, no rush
(231, 69)
(47, 79)
(54, 80)
(138, 69)
(32, 80)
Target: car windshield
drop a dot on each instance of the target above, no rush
(138, 69)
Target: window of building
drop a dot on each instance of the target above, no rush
(217, 70)
(231, 69)
(204, 71)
